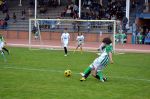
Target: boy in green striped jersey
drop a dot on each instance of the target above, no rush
(100, 63)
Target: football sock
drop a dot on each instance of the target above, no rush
(86, 75)
(6, 50)
(65, 50)
(99, 73)
(87, 71)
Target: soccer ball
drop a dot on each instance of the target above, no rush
(67, 73)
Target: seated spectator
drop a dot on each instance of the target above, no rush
(30, 12)
(31, 3)
(6, 17)
(148, 35)
(1, 2)
(68, 12)
(23, 17)
(54, 3)
(0, 24)
(4, 6)
(3, 24)
(23, 11)
(43, 9)
(64, 12)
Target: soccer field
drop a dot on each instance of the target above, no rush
(39, 74)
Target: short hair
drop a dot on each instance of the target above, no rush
(107, 40)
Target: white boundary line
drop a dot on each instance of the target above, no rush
(46, 46)
(73, 47)
(60, 71)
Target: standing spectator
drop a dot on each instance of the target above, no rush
(124, 23)
(139, 38)
(14, 17)
(23, 14)
(65, 39)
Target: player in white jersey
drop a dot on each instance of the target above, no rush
(80, 41)
(2, 43)
(65, 40)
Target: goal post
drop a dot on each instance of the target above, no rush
(108, 28)
(35, 40)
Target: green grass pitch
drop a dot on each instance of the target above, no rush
(39, 74)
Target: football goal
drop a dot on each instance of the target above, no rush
(42, 31)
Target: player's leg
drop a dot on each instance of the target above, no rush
(76, 48)
(98, 77)
(5, 49)
(2, 53)
(81, 48)
(65, 48)
(86, 73)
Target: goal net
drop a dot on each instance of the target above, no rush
(43, 32)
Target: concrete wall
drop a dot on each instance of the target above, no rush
(89, 37)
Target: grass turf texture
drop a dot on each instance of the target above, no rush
(39, 74)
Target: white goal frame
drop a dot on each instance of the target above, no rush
(36, 20)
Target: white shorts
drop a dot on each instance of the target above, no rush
(1, 45)
(100, 62)
(65, 43)
(80, 42)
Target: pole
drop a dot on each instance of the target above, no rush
(79, 8)
(35, 12)
(58, 2)
(20, 3)
(127, 11)
(114, 45)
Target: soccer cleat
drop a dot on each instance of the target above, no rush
(82, 74)
(65, 55)
(82, 79)
(102, 80)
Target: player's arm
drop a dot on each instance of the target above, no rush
(68, 36)
(101, 47)
(110, 57)
(62, 38)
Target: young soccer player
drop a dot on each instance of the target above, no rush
(80, 41)
(3, 42)
(65, 40)
(101, 62)
(1, 46)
